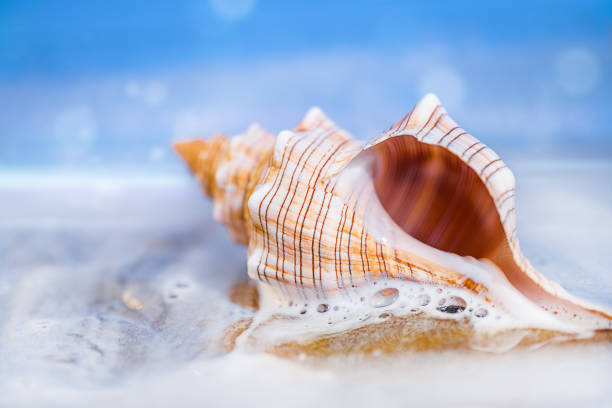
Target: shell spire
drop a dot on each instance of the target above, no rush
(202, 158)
(228, 170)
(424, 201)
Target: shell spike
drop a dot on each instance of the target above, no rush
(430, 99)
(228, 170)
(202, 158)
(314, 118)
(254, 128)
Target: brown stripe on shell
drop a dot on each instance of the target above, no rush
(327, 158)
(311, 147)
(266, 236)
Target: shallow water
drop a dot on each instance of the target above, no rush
(113, 290)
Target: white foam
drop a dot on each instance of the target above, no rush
(361, 305)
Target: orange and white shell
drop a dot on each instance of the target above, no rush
(323, 213)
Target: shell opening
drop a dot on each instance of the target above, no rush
(435, 197)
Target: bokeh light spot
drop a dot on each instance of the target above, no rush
(154, 93)
(132, 89)
(232, 10)
(577, 71)
(75, 125)
(156, 154)
(75, 128)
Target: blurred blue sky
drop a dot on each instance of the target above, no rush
(92, 85)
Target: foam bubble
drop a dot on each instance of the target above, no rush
(384, 297)
(481, 312)
(452, 304)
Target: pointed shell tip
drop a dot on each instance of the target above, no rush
(430, 99)
(314, 118)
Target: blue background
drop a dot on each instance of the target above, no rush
(106, 86)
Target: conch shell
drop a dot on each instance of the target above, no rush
(323, 214)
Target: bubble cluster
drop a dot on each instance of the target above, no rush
(385, 299)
